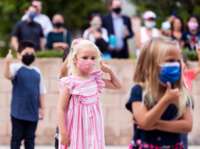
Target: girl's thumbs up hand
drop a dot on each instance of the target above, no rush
(171, 95)
(9, 56)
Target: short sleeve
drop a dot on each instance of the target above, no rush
(188, 76)
(14, 68)
(135, 96)
(16, 30)
(98, 76)
(43, 89)
(66, 83)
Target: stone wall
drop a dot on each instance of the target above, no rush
(118, 121)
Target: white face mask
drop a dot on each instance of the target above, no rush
(150, 24)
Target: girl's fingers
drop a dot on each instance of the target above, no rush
(169, 86)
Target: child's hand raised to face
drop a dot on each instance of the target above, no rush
(104, 67)
(9, 56)
(171, 95)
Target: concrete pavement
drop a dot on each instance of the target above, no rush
(107, 147)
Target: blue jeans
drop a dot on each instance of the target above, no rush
(23, 130)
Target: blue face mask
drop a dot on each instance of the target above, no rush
(32, 15)
(170, 72)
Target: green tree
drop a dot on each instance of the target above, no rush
(75, 13)
(10, 12)
(164, 8)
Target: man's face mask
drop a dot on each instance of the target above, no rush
(58, 24)
(117, 10)
(28, 59)
(150, 24)
(170, 72)
(32, 15)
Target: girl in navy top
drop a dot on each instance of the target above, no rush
(158, 101)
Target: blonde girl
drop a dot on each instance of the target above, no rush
(158, 99)
(79, 113)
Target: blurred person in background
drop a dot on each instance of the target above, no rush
(166, 30)
(59, 38)
(40, 18)
(177, 27)
(192, 36)
(97, 34)
(148, 31)
(28, 30)
(119, 30)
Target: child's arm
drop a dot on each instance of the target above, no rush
(146, 119)
(113, 82)
(63, 102)
(8, 59)
(42, 107)
(63, 70)
(184, 125)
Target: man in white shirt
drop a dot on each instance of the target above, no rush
(40, 18)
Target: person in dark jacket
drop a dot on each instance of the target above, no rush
(119, 30)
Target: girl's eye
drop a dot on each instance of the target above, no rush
(93, 58)
(172, 60)
(85, 57)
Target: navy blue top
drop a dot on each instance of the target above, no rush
(191, 40)
(154, 137)
(58, 37)
(26, 94)
(31, 31)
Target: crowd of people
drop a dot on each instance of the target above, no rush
(39, 29)
(173, 28)
(160, 101)
(110, 32)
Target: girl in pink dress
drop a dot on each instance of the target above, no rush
(79, 112)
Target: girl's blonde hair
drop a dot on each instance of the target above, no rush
(76, 46)
(147, 71)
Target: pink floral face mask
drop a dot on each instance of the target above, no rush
(85, 65)
(193, 25)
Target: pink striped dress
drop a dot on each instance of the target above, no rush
(84, 117)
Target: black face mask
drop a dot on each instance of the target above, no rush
(58, 25)
(117, 10)
(28, 59)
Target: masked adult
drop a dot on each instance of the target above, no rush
(59, 38)
(40, 18)
(96, 33)
(28, 30)
(192, 36)
(147, 31)
(119, 30)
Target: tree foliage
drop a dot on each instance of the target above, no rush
(75, 13)
(164, 8)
